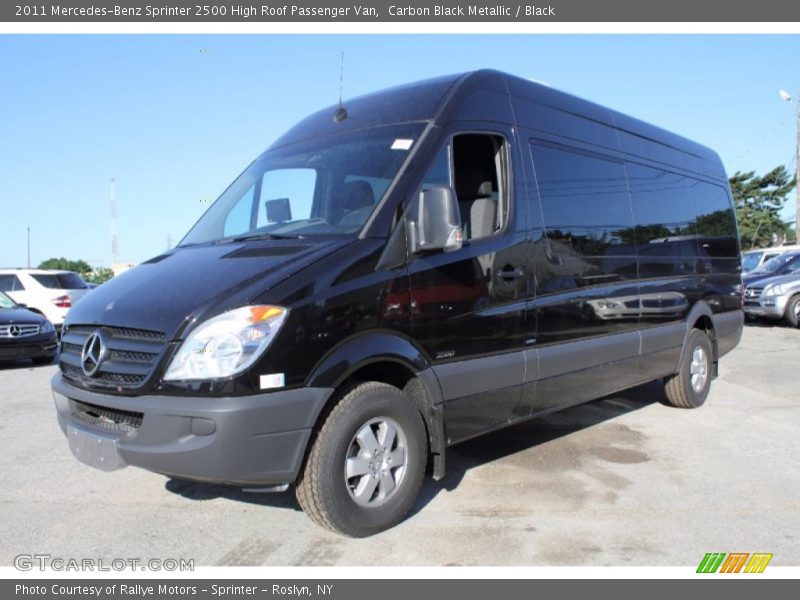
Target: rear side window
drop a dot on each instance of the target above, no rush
(588, 226)
(61, 281)
(715, 222)
(662, 210)
(585, 202)
(10, 283)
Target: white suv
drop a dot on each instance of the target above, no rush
(51, 293)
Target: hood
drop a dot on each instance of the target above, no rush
(791, 278)
(756, 276)
(9, 316)
(168, 292)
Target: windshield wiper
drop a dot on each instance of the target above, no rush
(267, 236)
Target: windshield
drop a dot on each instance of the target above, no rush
(324, 186)
(6, 302)
(750, 260)
(773, 264)
(61, 281)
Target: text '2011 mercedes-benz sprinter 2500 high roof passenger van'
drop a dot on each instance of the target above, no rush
(418, 267)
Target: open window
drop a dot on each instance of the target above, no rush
(475, 166)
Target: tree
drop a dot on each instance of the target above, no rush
(81, 267)
(758, 202)
(99, 275)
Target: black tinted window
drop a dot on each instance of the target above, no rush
(10, 283)
(715, 222)
(586, 215)
(61, 281)
(585, 203)
(662, 210)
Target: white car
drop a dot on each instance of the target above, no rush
(50, 293)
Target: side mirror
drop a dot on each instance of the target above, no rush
(434, 221)
(22, 305)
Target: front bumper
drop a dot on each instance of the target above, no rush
(248, 440)
(772, 307)
(31, 347)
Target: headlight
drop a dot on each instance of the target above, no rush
(46, 327)
(226, 344)
(774, 290)
(608, 304)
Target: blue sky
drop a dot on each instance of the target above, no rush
(175, 118)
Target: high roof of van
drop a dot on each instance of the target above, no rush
(539, 110)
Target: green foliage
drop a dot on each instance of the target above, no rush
(758, 202)
(81, 267)
(99, 275)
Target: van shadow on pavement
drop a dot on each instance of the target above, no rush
(467, 455)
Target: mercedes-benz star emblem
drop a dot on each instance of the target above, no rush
(93, 353)
(14, 330)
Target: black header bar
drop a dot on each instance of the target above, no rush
(398, 11)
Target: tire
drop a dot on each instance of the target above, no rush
(43, 360)
(688, 388)
(365, 503)
(792, 313)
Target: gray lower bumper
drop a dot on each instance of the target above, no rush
(248, 440)
(775, 310)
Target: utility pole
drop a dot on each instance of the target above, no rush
(788, 98)
(29, 247)
(113, 207)
(797, 173)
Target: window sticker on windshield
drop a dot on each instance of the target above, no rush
(402, 144)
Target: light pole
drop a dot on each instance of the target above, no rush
(788, 98)
(29, 247)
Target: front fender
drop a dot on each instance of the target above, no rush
(360, 351)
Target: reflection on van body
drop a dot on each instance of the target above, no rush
(430, 263)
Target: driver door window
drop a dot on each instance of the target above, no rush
(474, 165)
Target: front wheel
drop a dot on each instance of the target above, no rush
(793, 311)
(366, 463)
(688, 388)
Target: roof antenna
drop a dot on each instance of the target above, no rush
(341, 113)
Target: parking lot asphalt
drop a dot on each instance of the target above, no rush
(624, 480)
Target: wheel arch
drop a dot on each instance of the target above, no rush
(701, 317)
(392, 359)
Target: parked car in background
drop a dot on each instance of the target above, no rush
(774, 298)
(25, 334)
(783, 264)
(49, 293)
(753, 259)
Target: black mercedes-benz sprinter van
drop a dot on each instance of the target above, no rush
(402, 273)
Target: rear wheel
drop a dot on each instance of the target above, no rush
(688, 388)
(367, 462)
(793, 311)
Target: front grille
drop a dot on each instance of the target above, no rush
(107, 418)
(18, 330)
(753, 292)
(130, 357)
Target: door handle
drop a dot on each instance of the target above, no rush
(510, 274)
